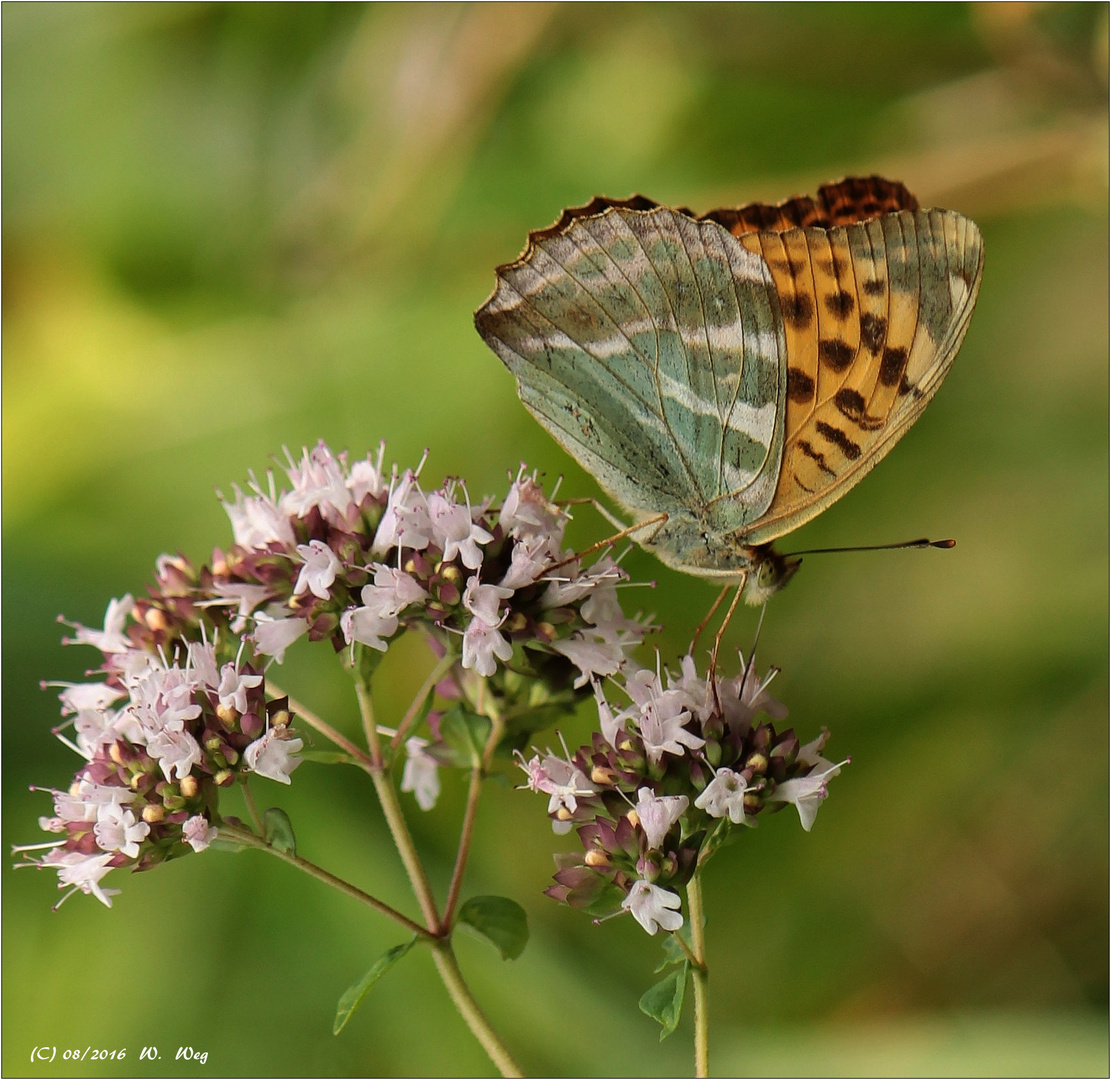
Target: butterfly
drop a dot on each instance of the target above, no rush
(726, 377)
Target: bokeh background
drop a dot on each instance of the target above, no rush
(232, 228)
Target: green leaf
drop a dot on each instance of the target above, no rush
(501, 921)
(673, 951)
(465, 733)
(225, 843)
(353, 996)
(664, 1001)
(278, 830)
(328, 757)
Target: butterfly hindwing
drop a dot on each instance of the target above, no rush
(650, 345)
(880, 311)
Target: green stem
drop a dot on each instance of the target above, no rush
(325, 729)
(252, 808)
(448, 967)
(443, 666)
(700, 978)
(395, 819)
(249, 839)
(474, 790)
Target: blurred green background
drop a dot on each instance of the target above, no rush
(229, 228)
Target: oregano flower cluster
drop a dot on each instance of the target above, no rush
(665, 780)
(351, 555)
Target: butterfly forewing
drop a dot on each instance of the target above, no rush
(650, 345)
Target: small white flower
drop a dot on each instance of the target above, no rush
(808, 792)
(567, 591)
(318, 481)
(202, 664)
(319, 571)
(111, 639)
(78, 696)
(483, 643)
(256, 520)
(233, 687)
(662, 716)
(273, 636)
(366, 626)
(724, 796)
(657, 813)
(197, 833)
(527, 515)
(527, 561)
(175, 751)
(405, 522)
(273, 755)
(482, 601)
(366, 477)
(653, 907)
(117, 829)
(82, 872)
(590, 657)
(455, 531)
(611, 726)
(245, 597)
(563, 780)
(421, 774)
(392, 591)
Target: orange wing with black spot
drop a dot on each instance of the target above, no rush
(875, 296)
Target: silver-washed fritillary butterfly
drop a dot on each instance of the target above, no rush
(726, 377)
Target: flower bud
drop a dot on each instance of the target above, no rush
(155, 618)
(153, 813)
(450, 574)
(189, 786)
(757, 762)
(224, 777)
(227, 715)
(596, 857)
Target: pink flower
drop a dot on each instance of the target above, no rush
(455, 531)
(319, 570)
(274, 754)
(657, 813)
(197, 833)
(654, 908)
(483, 643)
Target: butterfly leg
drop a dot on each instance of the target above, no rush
(709, 615)
(717, 640)
(659, 519)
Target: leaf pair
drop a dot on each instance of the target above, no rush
(501, 921)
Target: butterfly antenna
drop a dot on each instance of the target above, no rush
(923, 543)
(755, 641)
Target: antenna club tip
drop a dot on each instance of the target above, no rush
(950, 543)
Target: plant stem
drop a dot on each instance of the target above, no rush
(700, 978)
(395, 819)
(448, 967)
(252, 808)
(317, 724)
(249, 839)
(443, 666)
(474, 790)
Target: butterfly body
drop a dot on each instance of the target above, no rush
(726, 378)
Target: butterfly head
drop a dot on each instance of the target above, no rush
(770, 572)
